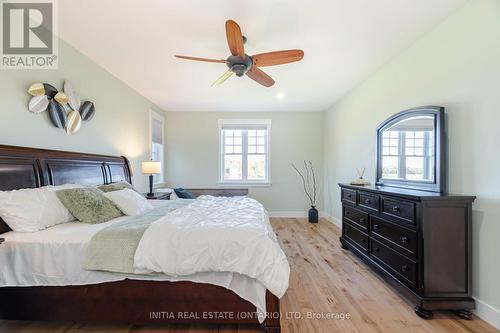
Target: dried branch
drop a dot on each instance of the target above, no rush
(307, 178)
(310, 189)
(303, 183)
(314, 181)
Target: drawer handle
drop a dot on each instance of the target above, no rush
(376, 227)
(395, 209)
(349, 195)
(347, 213)
(362, 220)
(368, 201)
(347, 230)
(404, 240)
(404, 268)
(377, 249)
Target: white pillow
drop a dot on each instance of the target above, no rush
(30, 210)
(65, 215)
(129, 201)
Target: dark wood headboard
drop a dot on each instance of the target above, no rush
(22, 167)
(219, 192)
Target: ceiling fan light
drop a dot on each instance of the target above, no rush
(223, 78)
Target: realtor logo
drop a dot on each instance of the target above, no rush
(29, 39)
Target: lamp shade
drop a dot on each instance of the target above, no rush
(151, 167)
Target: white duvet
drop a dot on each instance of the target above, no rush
(215, 234)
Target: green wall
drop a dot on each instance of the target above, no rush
(120, 126)
(192, 140)
(457, 65)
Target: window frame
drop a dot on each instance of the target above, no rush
(245, 125)
(153, 115)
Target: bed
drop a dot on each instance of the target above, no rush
(128, 300)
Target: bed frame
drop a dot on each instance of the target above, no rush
(128, 301)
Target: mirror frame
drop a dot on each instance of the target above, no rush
(440, 162)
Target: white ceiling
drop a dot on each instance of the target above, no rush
(344, 41)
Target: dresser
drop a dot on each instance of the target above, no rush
(419, 241)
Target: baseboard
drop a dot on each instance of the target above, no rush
(302, 214)
(294, 214)
(288, 213)
(337, 222)
(333, 219)
(487, 313)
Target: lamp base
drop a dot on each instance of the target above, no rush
(150, 194)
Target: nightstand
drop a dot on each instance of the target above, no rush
(158, 196)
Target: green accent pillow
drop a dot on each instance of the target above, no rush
(89, 205)
(116, 187)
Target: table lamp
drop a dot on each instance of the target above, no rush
(151, 167)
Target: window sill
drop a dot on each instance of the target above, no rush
(244, 184)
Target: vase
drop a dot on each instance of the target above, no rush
(313, 215)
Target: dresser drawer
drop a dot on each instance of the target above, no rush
(398, 264)
(368, 200)
(402, 210)
(348, 195)
(356, 217)
(400, 239)
(355, 235)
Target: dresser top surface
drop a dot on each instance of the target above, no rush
(407, 193)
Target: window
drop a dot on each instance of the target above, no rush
(408, 154)
(244, 151)
(156, 129)
(390, 152)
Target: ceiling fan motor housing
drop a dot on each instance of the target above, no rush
(239, 66)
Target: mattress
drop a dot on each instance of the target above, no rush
(55, 257)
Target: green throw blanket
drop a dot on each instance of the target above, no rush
(113, 248)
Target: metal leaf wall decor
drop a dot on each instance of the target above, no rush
(50, 91)
(64, 107)
(38, 104)
(87, 111)
(73, 98)
(58, 114)
(36, 89)
(74, 122)
(61, 98)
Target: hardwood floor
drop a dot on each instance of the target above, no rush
(325, 280)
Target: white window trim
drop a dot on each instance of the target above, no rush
(247, 183)
(154, 115)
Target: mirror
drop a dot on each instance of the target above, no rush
(410, 150)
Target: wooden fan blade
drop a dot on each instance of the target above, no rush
(259, 76)
(235, 39)
(200, 59)
(223, 78)
(277, 57)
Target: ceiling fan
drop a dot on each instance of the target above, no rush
(240, 63)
